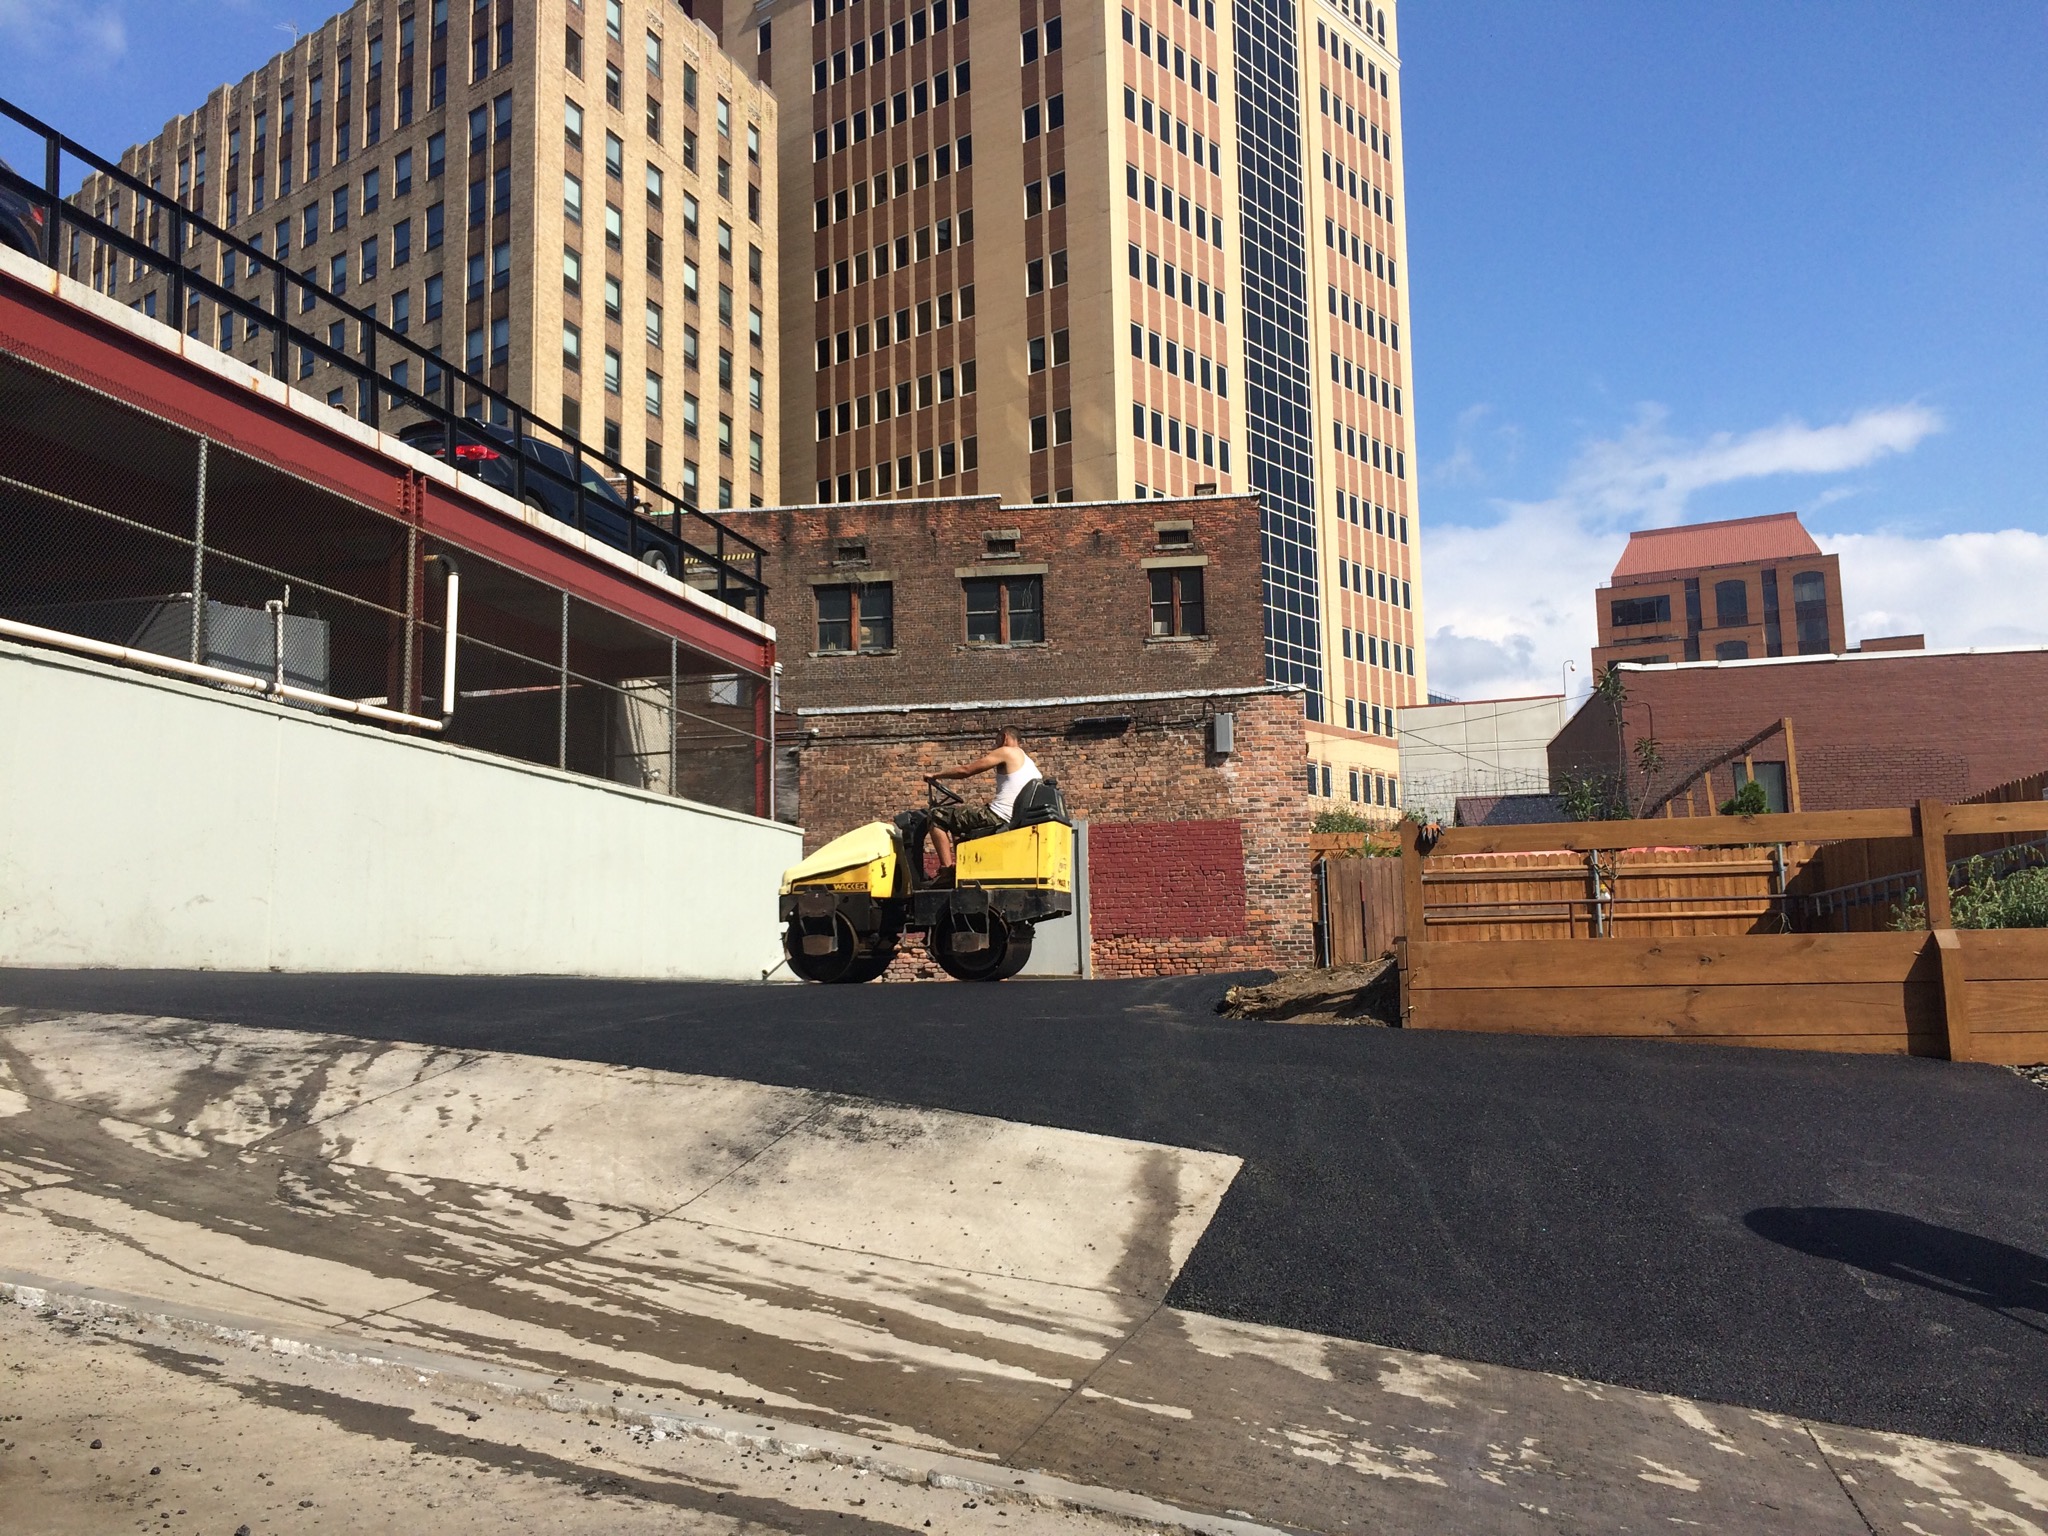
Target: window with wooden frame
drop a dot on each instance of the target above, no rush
(860, 616)
(1177, 607)
(1005, 610)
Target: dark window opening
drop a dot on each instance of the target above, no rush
(1772, 777)
(857, 617)
(1005, 611)
(1810, 612)
(1641, 610)
(1177, 607)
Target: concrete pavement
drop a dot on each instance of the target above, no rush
(971, 1298)
(1845, 1239)
(110, 1421)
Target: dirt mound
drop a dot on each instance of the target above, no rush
(1346, 994)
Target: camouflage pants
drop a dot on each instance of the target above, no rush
(966, 820)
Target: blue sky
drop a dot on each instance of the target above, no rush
(1675, 262)
(1668, 262)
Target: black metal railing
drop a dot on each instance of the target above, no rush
(693, 545)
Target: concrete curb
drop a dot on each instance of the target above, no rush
(988, 1481)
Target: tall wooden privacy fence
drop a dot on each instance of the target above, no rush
(1361, 908)
(1605, 929)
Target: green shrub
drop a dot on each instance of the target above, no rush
(1589, 798)
(1750, 800)
(2016, 899)
(1338, 819)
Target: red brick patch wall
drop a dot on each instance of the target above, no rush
(1162, 893)
(1166, 879)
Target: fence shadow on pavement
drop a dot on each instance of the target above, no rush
(1992, 1274)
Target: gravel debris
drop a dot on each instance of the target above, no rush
(1344, 994)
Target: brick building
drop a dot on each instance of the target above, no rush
(1747, 587)
(1869, 728)
(1123, 640)
(1147, 249)
(572, 202)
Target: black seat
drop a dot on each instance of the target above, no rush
(1040, 800)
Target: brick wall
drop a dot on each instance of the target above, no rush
(1880, 729)
(1158, 890)
(1167, 879)
(1125, 782)
(1218, 878)
(1097, 597)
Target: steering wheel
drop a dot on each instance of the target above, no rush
(939, 794)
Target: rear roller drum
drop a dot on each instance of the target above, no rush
(1003, 956)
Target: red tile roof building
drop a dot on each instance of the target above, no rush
(1736, 590)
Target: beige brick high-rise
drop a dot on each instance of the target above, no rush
(1069, 252)
(569, 198)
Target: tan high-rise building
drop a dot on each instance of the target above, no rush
(573, 199)
(1072, 252)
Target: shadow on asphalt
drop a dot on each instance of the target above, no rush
(1970, 1268)
(1576, 1206)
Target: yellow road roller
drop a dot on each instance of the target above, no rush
(847, 907)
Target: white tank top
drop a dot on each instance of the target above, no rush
(1007, 785)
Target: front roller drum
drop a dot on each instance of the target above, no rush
(830, 951)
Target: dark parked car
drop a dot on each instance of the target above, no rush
(21, 221)
(551, 476)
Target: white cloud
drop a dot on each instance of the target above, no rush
(88, 36)
(104, 32)
(1511, 603)
(1645, 476)
(1960, 589)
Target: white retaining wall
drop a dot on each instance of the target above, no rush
(147, 822)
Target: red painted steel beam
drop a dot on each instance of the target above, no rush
(84, 348)
(450, 516)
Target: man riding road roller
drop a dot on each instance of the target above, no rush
(1003, 869)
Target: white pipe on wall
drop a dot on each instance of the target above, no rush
(35, 634)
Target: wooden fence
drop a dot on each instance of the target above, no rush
(1856, 886)
(1471, 898)
(1361, 904)
(1735, 976)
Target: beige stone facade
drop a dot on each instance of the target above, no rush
(571, 198)
(1021, 230)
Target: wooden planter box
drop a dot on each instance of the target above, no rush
(1969, 995)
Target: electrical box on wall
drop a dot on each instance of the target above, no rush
(1223, 734)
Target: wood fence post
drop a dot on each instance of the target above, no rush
(1791, 764)
(1955, 1001)
(1931, 818)
(1411, 884)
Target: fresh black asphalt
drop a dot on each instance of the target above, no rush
(1855, 1239)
